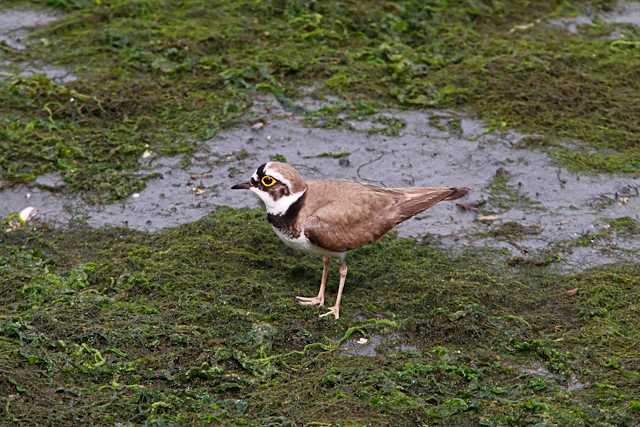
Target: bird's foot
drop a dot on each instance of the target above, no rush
(310, 301)
(333, 310)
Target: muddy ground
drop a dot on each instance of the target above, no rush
(15, 26)
(146, 292)
(521, 201)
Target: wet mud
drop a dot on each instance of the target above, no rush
(15, 27)
(16, 23)
(376, 345)
(623, 13)
(521, 201)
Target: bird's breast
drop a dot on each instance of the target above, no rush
(300, 242)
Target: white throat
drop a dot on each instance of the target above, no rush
(280, 206)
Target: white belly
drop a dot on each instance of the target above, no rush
(301, 243)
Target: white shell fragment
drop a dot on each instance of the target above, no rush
(488, 218)
(15, 221)
(27, 214)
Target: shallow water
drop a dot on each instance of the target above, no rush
(561, 205)
(623, 13)
(25, 69)
(15, 26)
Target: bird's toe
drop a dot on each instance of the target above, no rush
(332, 310)
(310, 301)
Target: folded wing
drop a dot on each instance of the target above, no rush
(364, 216)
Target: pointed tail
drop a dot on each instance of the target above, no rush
(458, 192)
(417, 199)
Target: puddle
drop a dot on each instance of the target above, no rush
(16, 23)
(573, 384)
(362, 346)
(434, 148)
(624, 13)
(407, 348)
(24, 69)
(369, 346)
(15, 26)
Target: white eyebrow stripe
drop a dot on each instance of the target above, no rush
(277, 176)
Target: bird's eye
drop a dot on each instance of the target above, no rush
(268, 181)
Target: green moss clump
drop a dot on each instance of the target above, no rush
(106, 326)
(512, 230)
(625, 226)
(504, 196)
(163, 75)
(334, 154)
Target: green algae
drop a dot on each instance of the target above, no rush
(338, 114)
(625, 226)
(504, 195)
(160, 75)
(512, 230)
(622, 227)
(116, 326)
(334, 154)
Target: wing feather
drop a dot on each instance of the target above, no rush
(366, 215)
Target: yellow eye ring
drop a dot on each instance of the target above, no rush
(268, 181)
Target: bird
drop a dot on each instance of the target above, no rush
(332, 217)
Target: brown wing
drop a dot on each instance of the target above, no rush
(364, 216)
(359, 217)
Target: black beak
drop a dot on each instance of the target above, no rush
(243, 186)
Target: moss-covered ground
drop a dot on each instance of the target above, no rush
(197, 325)
(163, 74)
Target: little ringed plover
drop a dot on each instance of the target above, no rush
(330, 218)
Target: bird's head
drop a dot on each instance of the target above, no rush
(278, 185)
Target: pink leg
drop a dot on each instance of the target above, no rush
(319, 300)
(335, 310)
